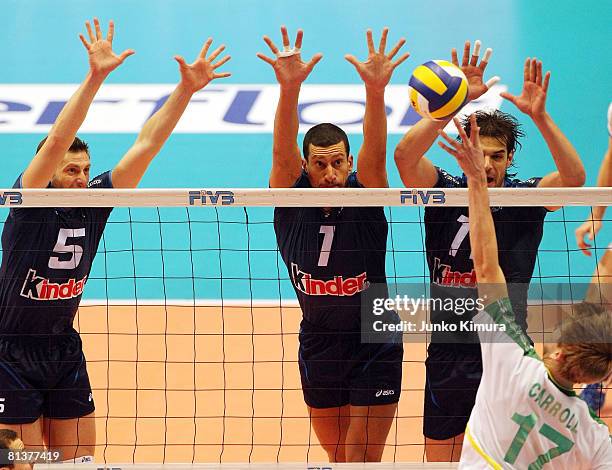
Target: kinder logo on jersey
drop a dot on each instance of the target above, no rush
(40, 288)
(340, 286)
(443, 275)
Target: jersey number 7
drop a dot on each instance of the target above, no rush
(328, 238)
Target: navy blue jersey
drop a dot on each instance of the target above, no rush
(519, 233)
(47, 255)
(332, 258)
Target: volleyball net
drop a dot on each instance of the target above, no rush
(190, 322)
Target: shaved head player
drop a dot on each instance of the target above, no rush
(48, 253)
(351, 389)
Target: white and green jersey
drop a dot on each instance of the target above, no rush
(522, 419)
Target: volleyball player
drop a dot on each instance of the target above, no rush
(351, 389)
(48, 253)
(595, 394)
(526, 414)
(453, 365)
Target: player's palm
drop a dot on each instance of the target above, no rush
(102, 59)
(476, 87)
(197, 75)
(532, 100)
(291, 70)
(376, 71)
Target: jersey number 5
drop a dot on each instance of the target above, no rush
(75, 251)
(328, 238)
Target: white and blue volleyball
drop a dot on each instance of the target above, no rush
(438, 89)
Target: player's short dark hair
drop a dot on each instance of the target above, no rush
(498, 124)
(78, 145)
(585, 337)
(324, 135)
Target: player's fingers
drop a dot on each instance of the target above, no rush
(492, 81)
(216, 52)
(485, 59)
(271, 44)
(475, 53)
(396, 48)
(92, 38)
(285, 35)
(298, 39)
(538, 73)
(181, 61)
(222, 75)
(474, 131)
(466, 54)
(453, 152)
(532, 69)
(546, 82)
(352, 59)
(111, 31)
(526, 69)
(383, 41)
(221, 62)
(265, 58)
(508, 96)
(314, 61)
(454, 58)
(370, 42)
(460, 130)
(401, 59)
(450, 140)
(98, 29)
(125, 54)
(205, 48)
(84, 41)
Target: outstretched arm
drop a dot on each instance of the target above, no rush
(375, 72)
(594, 223)
(414, 168)
(532, 101)
(102, 61)
(469, 155)
(290, 72)
(130, 170)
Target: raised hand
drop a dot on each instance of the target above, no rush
(102, 59)
(288, 66)
(532, 100)
(377, 69)
(589, 228)
(468, 152)
(474, 71)
(197, 75)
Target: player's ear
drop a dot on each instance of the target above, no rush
(350, 162)
(510, 158)
(304, 165)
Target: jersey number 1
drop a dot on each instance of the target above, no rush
(328, 238)
(526, 423)
(75, 251)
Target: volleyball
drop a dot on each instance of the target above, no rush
(437, 89)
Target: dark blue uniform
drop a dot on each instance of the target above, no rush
(331, 260)
(47, 257)
(454, 363)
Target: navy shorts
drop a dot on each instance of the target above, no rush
(337, 369)
(43, 377)
(453, 373)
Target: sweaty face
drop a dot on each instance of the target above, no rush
(497, 160)
(72, 172)
(328, 167)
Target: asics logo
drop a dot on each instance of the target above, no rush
(385, 393)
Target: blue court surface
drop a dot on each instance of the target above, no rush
(225, 137)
